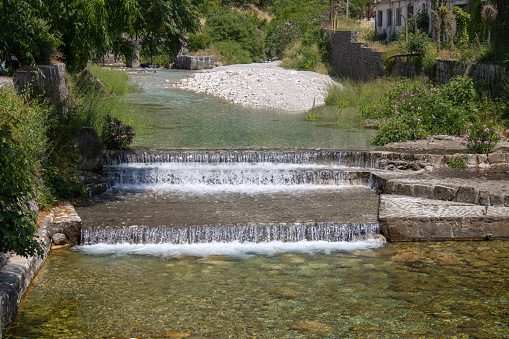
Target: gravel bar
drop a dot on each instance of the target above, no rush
(262, 85)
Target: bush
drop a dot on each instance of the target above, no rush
(22, 143)
(280, 37)
(302, 57)
(418, 111)
(197, 42)
(233, 53)
(482, 137)
(115, 135)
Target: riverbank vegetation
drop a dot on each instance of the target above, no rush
(414, 109)
(38, 162)
(23, 142)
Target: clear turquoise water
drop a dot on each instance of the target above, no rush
(184, 119)
(413, 290)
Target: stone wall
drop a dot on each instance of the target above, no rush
(52, 81)
(193, 62)
(447, 69)
(16, 272)
(352, 59)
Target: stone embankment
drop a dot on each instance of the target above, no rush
(442, 203)
(61, 226)
(262, 85)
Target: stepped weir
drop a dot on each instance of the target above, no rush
(244, 196)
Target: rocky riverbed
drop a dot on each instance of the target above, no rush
(262, 85)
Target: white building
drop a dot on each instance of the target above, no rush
(388, 13)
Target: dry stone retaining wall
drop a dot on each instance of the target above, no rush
(352, 59)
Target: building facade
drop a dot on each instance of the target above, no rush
(391, 15)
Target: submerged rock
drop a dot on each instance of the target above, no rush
(59, 239)
(407, 256)
(312, 327)
(364, 328)
(286, 294)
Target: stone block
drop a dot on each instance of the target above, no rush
(59, 239)
(90, 150)
(496, 199)
(444, 193)
(436, 160)
(405, 189)
(483, 198)
(423, 191)
(482, 159)
(496, 158)
(506, 200)
(471, 159)
(391, 187)
(466, 194)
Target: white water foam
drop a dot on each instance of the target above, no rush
(248, 178)
(232, 249)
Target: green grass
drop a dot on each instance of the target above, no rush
(93, 108)
(349, 99)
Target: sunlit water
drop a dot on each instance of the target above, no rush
(181, 118)
(411, 290)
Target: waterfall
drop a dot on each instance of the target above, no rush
(361, 159)
(255, 177)
(329, 232)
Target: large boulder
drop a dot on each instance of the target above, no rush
(90, 149)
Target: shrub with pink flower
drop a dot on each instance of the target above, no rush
(115, 135)
(482, 137)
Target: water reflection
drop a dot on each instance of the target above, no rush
(181, 118)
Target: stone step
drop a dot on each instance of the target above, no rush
(478, 190)
(404, 218)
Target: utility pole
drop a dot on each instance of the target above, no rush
(347, 10)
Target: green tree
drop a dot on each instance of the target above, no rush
(84, 30)
(24, 33)
(162, 24)
(233, 27)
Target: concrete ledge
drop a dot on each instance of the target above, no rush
(404, 218)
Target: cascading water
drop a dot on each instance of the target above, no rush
(189, 197)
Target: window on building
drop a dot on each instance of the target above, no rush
(389, 17)
(410, 12)
(398, 16)
(380, 18)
